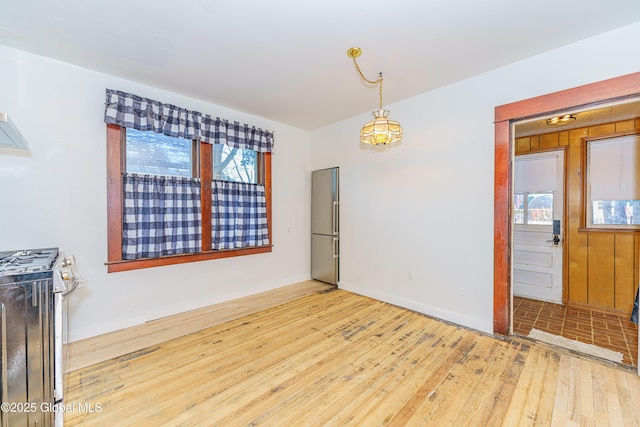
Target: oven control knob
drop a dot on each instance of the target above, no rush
(69, 260)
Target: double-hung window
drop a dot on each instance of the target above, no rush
(183, 186)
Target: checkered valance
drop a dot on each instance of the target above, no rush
(132, 111)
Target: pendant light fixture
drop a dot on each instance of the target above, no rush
(381, 130)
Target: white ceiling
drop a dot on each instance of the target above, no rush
(286, 60)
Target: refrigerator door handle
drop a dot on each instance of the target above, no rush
(336, 253)
(334, 218)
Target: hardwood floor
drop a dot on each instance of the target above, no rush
(107, 346)
(336, 358)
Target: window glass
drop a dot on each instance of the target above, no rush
(540, 208)
(534, 208)
(518, 208)
(616, 212)
(151, 153)
(234, 164)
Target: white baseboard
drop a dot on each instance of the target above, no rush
(457, 318)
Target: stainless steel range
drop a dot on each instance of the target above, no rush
(33, 289)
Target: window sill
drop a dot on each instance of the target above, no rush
(127, 265)
(609, 230)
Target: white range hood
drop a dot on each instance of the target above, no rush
(10, 136)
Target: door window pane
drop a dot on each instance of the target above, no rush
(534, 208)
(518, 208)
(540, 208)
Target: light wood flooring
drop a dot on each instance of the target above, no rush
(107, 346)
(336, 358)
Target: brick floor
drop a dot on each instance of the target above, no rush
(608, 330)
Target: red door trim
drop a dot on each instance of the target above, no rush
(610, 90)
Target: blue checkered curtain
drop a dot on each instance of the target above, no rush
(238, 215)
(136, 112)
(161, 216)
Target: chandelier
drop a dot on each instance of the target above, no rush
(381, 130)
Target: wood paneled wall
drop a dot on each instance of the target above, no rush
(602, 268)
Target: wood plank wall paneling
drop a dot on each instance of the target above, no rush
(603, 269)
(522, 145)
(624, 265)
(625, 125)
(576, 243)
(600, 269)
(535, 143)
(563, 139)
(549, 141)
(599, 130)
(636, 272)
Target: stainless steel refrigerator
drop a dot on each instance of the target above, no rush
(325, 226)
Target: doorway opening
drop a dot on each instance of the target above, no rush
(588, 304)
(527, 119)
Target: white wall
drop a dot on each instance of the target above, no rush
(55, 195)
(417, 219)
(423, 209)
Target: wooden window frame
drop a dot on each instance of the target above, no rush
(115, 168)
(584, 203)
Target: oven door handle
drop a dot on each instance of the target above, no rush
(5, 381)
(57, 347)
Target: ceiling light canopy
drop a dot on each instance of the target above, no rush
(381, 130)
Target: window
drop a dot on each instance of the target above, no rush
(183, 187)
(612, 184)
(151, 153)
(234, 164)
(534, 208)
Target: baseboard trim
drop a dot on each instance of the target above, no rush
(448, 316)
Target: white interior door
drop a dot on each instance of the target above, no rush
(538, 226)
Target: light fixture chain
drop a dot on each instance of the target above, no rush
(371, 82)
(380, 80)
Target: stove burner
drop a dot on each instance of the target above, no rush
(27, 261)
(18, 269)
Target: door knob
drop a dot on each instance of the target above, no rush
(555, 240)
